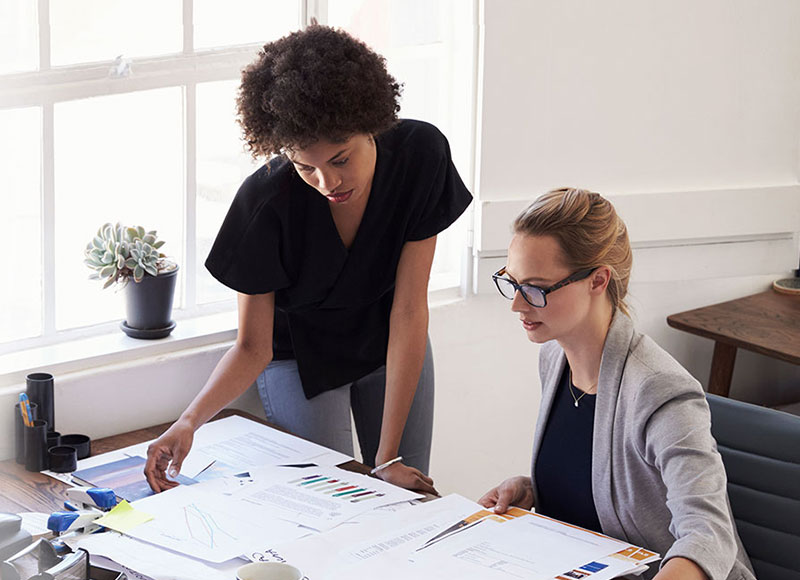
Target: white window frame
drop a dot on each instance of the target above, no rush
(48, 86)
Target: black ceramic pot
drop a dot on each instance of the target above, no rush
(148, 306)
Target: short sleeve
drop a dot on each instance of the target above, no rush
(445, 200)
(247, 254)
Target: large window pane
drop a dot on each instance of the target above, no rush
(427, 45)
(243, 21)
(222, 165)
(21, 288)
(95, 30)
(19, 40)
(117, 158)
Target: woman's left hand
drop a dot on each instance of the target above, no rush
(407, 477)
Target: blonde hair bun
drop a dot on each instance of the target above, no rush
(589, 232)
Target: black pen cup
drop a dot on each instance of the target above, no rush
(19, 431)
(40, 389)
(63, 459)
(53, 439)
(81, 443)
(36, 446)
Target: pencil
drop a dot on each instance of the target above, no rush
(25, 410)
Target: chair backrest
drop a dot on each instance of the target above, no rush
(760, 448)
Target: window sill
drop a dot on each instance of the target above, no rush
(115, 347)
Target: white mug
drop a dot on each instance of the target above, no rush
(268, 571)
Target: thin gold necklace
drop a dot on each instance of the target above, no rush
(571, 392)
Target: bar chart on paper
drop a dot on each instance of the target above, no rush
(335, 488)
(320, 497)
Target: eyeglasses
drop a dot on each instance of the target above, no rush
(534, 295)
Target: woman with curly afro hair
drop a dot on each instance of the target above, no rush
(329, 246)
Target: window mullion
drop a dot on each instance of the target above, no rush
(48, 221)
(188, 26)
(190, 201)
(44, 34)
(314, 9)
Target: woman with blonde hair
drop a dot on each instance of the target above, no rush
(623, 443)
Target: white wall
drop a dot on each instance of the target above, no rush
(686, 113)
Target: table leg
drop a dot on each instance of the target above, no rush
(719, 382)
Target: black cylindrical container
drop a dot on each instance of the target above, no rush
(63, 459)
(40, 391)
(53, 439)
(19, 431)
(81, 443)
(149, 302)
(36, 446)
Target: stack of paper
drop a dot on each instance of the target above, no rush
(330, 523)
(234, 516)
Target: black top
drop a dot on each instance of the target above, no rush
(333, 304)
(564, 463)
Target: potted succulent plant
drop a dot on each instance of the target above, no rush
(118, 254)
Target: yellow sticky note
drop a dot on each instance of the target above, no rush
(123, 518)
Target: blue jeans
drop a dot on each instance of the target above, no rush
(325, 419)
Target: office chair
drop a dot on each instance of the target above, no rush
(760, 448)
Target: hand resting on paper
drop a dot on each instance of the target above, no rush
(407, 477)
(168, 452)
(516, 491)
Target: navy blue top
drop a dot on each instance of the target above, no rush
(564, 464)
(332, 304)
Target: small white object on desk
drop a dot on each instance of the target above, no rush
(385, 465)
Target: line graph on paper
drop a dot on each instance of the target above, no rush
(202, 527)
(196, 528)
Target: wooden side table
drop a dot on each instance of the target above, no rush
(767, 323)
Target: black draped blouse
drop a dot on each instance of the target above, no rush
(333, 303)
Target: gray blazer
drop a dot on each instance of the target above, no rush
(657, 478)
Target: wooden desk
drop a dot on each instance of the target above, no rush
(767, 323)
(25, 491)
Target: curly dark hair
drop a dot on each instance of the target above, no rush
(316, 83)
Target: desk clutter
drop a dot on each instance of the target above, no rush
(37, 444)
(255, 494)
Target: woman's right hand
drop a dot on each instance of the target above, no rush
(516, 491)
(168, 452)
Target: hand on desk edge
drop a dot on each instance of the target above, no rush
(408, 478)
(516, 491)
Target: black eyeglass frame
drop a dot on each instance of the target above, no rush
(521, 288)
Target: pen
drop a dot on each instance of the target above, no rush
(385, 465)
(25, 409)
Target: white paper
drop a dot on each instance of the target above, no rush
(208, 523)
(241, 444)
(35, 523)
(233, 444)
(320, 497)
(377, 547)
(142, 560)
(525, 547)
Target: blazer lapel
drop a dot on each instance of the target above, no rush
(612, 365)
